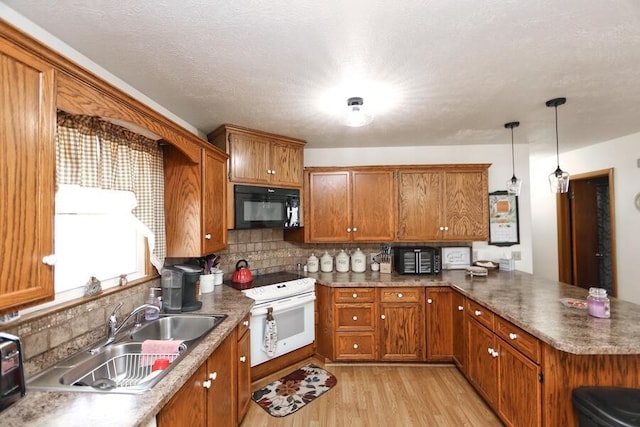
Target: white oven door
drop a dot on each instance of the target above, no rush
(294, 318)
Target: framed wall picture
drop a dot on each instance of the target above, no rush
(504, 229)
(456, 257)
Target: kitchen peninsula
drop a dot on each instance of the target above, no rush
(509, 333)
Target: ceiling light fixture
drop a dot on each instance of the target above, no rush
(514, 184)
(558, 179)
(356, 114)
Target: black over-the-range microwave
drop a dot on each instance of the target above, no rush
(266, 207)
(417, 260)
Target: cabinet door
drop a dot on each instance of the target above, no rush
(27, 177)
(459, 331)
(214, 195)
(439, 329)
(482, 368)
(466, 210)
(373, 213)
(401, 332)
(249, 158)
(222, 371)
(188, 406)
(329, 207)
(520, 402)
(419, 205)
(244, 372)
(286, 165)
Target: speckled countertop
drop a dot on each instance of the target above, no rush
(100, 409)
(527, 301)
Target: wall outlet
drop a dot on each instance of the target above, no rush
(516, 255)
(371, 256)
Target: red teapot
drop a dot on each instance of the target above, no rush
(242, 273)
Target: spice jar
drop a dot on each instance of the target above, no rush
(598, 304)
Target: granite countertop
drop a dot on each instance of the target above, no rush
(529, 302)
(100, 409)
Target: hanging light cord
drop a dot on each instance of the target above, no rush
(557, 145)
(513, 158)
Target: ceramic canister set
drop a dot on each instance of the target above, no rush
(357, 262)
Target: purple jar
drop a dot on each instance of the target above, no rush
(598, 303)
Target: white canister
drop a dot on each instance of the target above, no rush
(326, 263)
(342, 262)
(312, 264)
(218, 275)
(358, 261)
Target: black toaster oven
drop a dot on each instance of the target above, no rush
(417, 260)
(12, 386)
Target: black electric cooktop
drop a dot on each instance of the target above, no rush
(265, 280)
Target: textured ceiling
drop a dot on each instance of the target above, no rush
(432, 72)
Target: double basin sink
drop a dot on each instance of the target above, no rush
(121, 367)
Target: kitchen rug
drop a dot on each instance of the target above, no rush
(292, 392)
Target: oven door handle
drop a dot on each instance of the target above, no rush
(283, 304)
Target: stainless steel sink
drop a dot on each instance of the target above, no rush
(183, 327)
(121, 367)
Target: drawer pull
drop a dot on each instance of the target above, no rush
(355, 229)
(348, 230)
(478, 313)
(213, 375)
(382, 316)
(400, 295)
(460, 308)
(243, 359)
(490, 350)
(355, 318)
(207, 236)
(245, 323)
(513, 336)
(355, 346)
(494, 354)
(429, 301)
(206, 384)
(355, 296)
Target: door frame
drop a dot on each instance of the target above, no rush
(565, 245)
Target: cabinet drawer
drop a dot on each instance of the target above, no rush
(401, 294)
(355, 346)
(243, 326)
(522, 341)
(480, 313)
(355, 294)
(355, 317)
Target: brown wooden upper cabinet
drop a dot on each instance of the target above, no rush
(443, 203)
(349, 205)
(261, 158)
(27, 177)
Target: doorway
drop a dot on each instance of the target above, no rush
(586, 230)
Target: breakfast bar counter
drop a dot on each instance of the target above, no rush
(532, 303)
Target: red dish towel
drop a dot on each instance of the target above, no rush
(159, 349)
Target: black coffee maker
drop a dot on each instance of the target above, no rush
(180, 287)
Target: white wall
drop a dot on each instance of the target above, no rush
(499, 155)
(621, 154)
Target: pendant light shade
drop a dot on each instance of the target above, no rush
(558, 179)
(357, 115)
(514, 185)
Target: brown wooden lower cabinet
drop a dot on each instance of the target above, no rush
(459, 331)
(243, 356)
(482, 369)
(218, 393)
(439, 324)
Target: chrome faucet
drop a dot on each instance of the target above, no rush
(112, 323)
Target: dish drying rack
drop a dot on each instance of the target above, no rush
(125, 370)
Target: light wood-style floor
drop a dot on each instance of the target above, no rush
(384, 395)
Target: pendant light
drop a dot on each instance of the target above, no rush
(514, 185)
(357, 115)
(558, 179)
